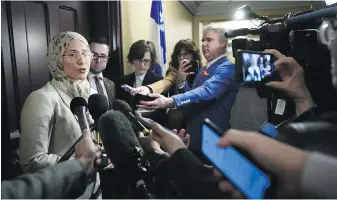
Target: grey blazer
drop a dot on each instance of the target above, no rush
(61, 181)
(48, 128)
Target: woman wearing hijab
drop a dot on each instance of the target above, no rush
(48, 127)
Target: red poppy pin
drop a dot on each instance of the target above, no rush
(204, 73)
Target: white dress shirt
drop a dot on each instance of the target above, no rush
(92, 81)
(213, 61)
(139, 80)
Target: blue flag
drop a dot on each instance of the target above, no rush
(157, 31)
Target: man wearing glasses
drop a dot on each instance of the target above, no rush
(100, 48)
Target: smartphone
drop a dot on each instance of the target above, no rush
(253, 67)
(142, 97)
(127, 88)
(237, 168)
(194, 66)
(268, 129)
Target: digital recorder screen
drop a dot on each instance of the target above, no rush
(243, 174)
(256, 66)
(269, 129)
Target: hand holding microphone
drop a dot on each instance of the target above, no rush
(125, 152)
(78, 106)
(86, 152)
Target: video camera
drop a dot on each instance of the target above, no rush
(294, 35)
(290, 35)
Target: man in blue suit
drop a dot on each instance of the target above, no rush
(212, 93)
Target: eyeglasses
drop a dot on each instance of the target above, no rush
(74, 57)
(102, 58)
(145, 61)
(184, 54)
(326, 31)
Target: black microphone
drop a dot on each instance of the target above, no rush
(78, 106)
(97, 105)
(125, 108)
(292, 22)
(124, 151)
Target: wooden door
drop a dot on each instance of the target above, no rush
(26, 29)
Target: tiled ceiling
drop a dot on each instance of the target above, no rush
(221, 7)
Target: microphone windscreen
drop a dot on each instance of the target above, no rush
(121, 106)
(117, 136)
(76, 102)
(97, 105)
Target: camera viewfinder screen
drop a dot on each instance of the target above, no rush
(256, 66)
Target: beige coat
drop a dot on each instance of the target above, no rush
(48, 128)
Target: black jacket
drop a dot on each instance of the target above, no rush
(150, 77)
(190, 176)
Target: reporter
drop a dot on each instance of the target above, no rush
(299, 173)
(63, 180)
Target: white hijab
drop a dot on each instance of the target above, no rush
(56, 48)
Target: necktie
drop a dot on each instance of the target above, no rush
(99, 85)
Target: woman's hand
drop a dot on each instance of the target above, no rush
(140, 90)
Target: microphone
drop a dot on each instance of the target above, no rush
(124, 150)
(78, 107)
(125, 108)
(97, 104)
(327, 12)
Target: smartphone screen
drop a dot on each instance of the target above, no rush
(254, 66)
(268, 129)
(241, 172)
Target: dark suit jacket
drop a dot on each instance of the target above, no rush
(65, 180)
(110, 90)
(191, 177)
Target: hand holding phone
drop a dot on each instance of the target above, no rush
(194, 66)
(234, 165)
(127, 88)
